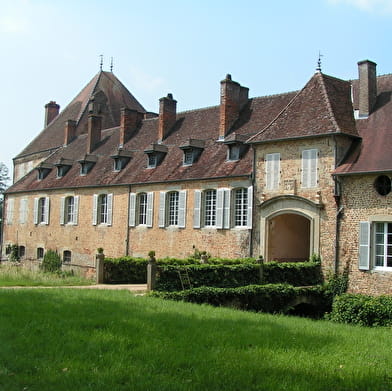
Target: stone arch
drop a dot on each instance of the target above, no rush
(295, 210)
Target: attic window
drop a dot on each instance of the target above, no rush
(121, 159)
(155, 154)
(382, 184)
(234, 152)
(87, 163)
(63, 167)
(192, 151)
(43, 170)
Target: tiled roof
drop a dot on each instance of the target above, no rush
(373, 153)
(322, 107)
(201, 124)
(105, 88)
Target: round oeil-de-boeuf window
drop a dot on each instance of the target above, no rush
(382, 184)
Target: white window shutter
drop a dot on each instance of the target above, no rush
(110, 209)
(197, 209)
(364, 245)
(182, 209)
(162, 209)
(150, 208)
(47, 210)
(305, 168)
(132, 209)
(276, 171)
(220, 199)
(226, 209)
(313, 168)
(22, 210)
(76, 211)
(95, 209)
(250, 207)
(10, 210)
(36, 200)
(268, 171)
(62, 211)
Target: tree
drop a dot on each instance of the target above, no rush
(4, 178)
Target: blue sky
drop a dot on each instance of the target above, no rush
(50, 49)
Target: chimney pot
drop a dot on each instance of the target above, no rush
(367, 87)
(167, 116)
(52, 110)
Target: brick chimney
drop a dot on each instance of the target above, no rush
(367, 87)
(93, 131)
(52, 110)
(69, 131)
(167, 116)
(233, 97)
(130, 120)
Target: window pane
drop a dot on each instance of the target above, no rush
(103, 209)
(210, 208)
(143, 208)
(188, 156)
(69, 209)
(173, 208)
(241, 207)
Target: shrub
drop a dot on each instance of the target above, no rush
(125, 270)
(51, 262)
(13, 251)
(272, 298)
(362, 310)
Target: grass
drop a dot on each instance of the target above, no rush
(66, 339)
(12, 275)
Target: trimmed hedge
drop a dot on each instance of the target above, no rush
(125, 270)
(362, 310)
(225, 276)
(272, 298)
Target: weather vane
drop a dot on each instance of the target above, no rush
(111, 64)
(318, 69)
(101, 63)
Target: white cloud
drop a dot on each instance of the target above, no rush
(377, 6)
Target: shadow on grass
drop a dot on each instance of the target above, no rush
(66, 339)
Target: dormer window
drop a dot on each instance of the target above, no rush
(235, 147)
(63, 166)
(44, 170)
(192, 151)
(87, 163)
(155, 154)
(233, 152)
(121, 159)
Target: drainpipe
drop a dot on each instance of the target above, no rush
(128, 227)
(253, 175)
(339, 215)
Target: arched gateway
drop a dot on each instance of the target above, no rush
(289, 228)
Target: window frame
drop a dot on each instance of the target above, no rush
(309, 168)
(386, 244)
(103, 209)
(272, 171)
(210, 208)
(67, 256)
(41, 210)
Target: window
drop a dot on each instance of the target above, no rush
(85, 167)
(152, 160)
(22, 251)
(172, 209)
(272, 171)
(234, 152)
(382, 184)
(188, 157)
(40, 253)
(375, 245)
(120, 163)
(67, 256)
(309, 168)
(210, 208)
(141, 209)
(41, 210)
(241, 207)
(69, 210)
(102, 209)
(23, 211)
(10, 211)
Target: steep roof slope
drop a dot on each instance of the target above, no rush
(107, 91)
(373, 154)
(322, 107)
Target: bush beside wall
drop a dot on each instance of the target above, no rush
(362, 310)
(272, 298)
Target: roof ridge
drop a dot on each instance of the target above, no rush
(275, 95)
(200, 109)
(328, 102)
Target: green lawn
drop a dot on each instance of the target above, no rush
(11, 275)
(66, 339)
